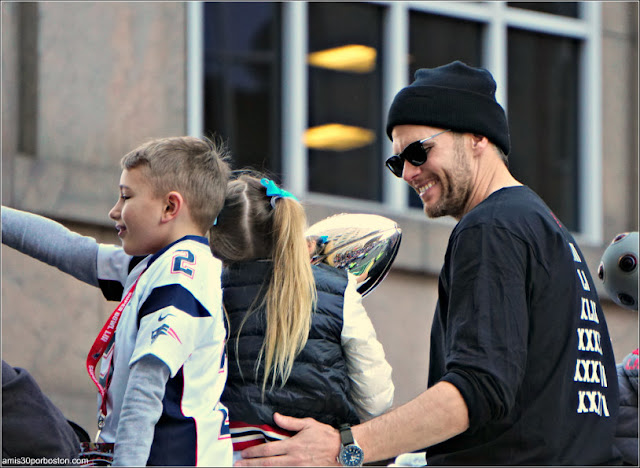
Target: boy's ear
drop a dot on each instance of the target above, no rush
(173, 205)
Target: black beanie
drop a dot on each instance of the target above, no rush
(456, 97)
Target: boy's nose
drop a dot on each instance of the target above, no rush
(115, 212)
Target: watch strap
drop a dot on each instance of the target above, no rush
(346, 436)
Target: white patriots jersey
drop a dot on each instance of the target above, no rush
(175, 314)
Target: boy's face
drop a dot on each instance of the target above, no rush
(138, 214)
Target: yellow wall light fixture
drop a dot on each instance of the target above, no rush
(337, 137)
(352, 58)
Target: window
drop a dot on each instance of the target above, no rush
(435, 40)
(242, 80)
(344, 112)
(543, 120)
(556, 8)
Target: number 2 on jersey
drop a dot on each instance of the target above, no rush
(181, 262)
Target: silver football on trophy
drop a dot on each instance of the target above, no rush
(364, 244)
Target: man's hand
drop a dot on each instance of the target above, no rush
(315, 444)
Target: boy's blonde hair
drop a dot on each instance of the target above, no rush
(197, 168)
(251, 228)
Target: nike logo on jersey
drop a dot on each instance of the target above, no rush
(161, 318)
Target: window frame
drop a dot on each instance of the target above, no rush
(195, 69)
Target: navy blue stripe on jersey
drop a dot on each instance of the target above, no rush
(134, 262)
(172, 295)
(174, 439)
(111, 289)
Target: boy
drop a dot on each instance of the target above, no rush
(163, 364)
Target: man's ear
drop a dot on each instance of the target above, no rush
(174, 203)
(479, 143)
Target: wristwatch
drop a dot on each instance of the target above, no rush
(351, 453)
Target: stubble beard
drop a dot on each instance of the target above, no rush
(457, 189)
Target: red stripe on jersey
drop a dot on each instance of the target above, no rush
(247, 435)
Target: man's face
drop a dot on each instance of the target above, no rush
(138, 214)
(444, 182)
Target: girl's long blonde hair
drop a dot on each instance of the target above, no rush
(249, 227)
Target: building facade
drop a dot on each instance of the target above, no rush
(300, 90)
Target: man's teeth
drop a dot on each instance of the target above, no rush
(426, 187)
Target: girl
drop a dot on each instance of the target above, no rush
(300, 341)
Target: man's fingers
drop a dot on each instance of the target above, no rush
(273, 461)
(289, 423)
(270, 449)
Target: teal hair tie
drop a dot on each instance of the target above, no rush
(275, 192)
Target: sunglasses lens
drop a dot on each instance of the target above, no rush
(415, 154)
(395, 165)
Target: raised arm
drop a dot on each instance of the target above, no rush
(51, 243)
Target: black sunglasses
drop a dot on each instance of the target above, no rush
(414, 152)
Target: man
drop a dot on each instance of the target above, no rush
(521, 367)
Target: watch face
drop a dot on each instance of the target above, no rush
(351, 455)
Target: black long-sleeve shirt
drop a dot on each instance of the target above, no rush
(520, 332)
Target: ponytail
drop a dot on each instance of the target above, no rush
(254, 226)
(291, 296)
